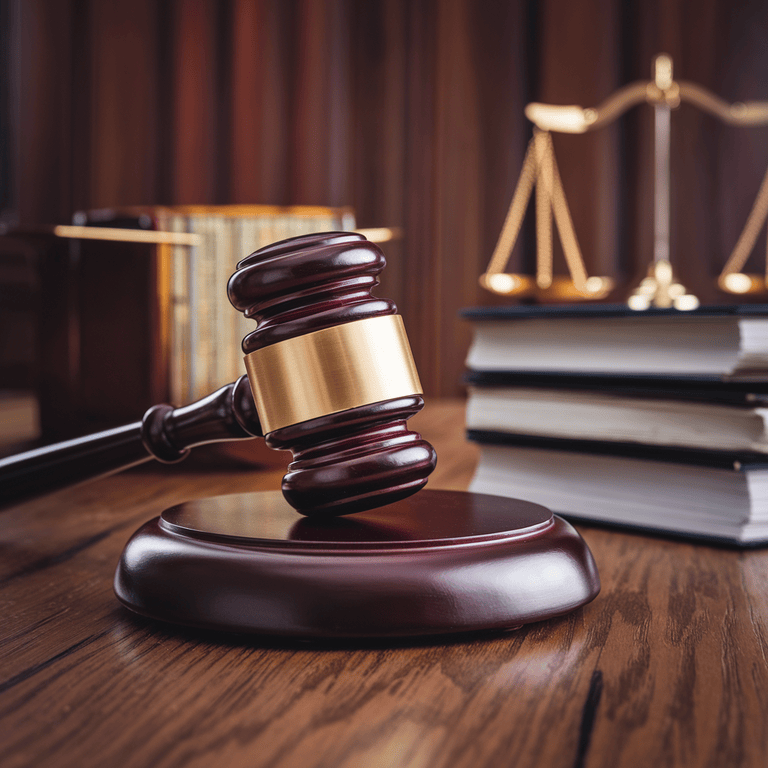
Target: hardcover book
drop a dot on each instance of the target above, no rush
(731, 419)
(714, 342)
(712, 496)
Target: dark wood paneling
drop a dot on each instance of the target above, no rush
(479, 142)
(9, 109)
(379, 129)
(578, 64)
(258, 149)
(420, 295)
(320, 115)
(45, 167)
(196, 101)
(124, 130)
(97, 355)
(409, 111)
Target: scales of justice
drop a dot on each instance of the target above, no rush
(660, 288)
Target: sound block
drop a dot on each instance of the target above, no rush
(437, 562)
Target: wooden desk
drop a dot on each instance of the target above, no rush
(669, 666)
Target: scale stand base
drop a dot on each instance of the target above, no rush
(437, 562)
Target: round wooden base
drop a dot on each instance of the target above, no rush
(437, 562)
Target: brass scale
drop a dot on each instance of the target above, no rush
(660, 288)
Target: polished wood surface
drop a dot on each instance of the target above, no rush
(435, 563)
(666, 667)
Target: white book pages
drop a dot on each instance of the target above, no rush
(206, 331)
(579, 415)
(203, 313)
(660, 495)
(226, 343)
(181, 360)
(647, 345)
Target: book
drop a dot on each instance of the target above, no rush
(655, 420)
(713, 496)
(713, 342)
(202, 322)
(721, 417)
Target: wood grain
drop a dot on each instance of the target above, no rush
(667, 667)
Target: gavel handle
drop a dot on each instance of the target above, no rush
(165, 433)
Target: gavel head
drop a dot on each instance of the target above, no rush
(332, 374)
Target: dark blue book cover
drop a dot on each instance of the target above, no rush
(558, 311)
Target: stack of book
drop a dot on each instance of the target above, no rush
(657, 420)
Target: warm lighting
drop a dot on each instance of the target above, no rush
(738, 282)
(647, 287)
(676, 290)
(561, 119)
(558, 288)
(638, 302)
(686, 303)
(127, 235)
(662, 66)
(598, 285)
(502, 283)
(381, 234)
(660, 289)
(540, 173)
(565, 289)
(664, 93)
(505, 284)
(662, 272)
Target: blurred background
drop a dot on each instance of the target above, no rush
(409, 111)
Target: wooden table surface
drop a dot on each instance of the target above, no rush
(668, 666)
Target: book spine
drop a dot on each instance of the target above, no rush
(208, 331)
(224, 329)
(737, 460)
(199, 308)
(179, 363)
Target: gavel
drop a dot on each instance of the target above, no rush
(330, 378)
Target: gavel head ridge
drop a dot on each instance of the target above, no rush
(332, 374)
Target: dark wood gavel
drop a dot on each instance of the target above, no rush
(330, 377)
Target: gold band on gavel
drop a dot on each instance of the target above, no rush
(332, 370)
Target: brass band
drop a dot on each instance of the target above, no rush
(332, 370)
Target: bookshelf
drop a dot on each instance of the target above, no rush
(135, 310)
